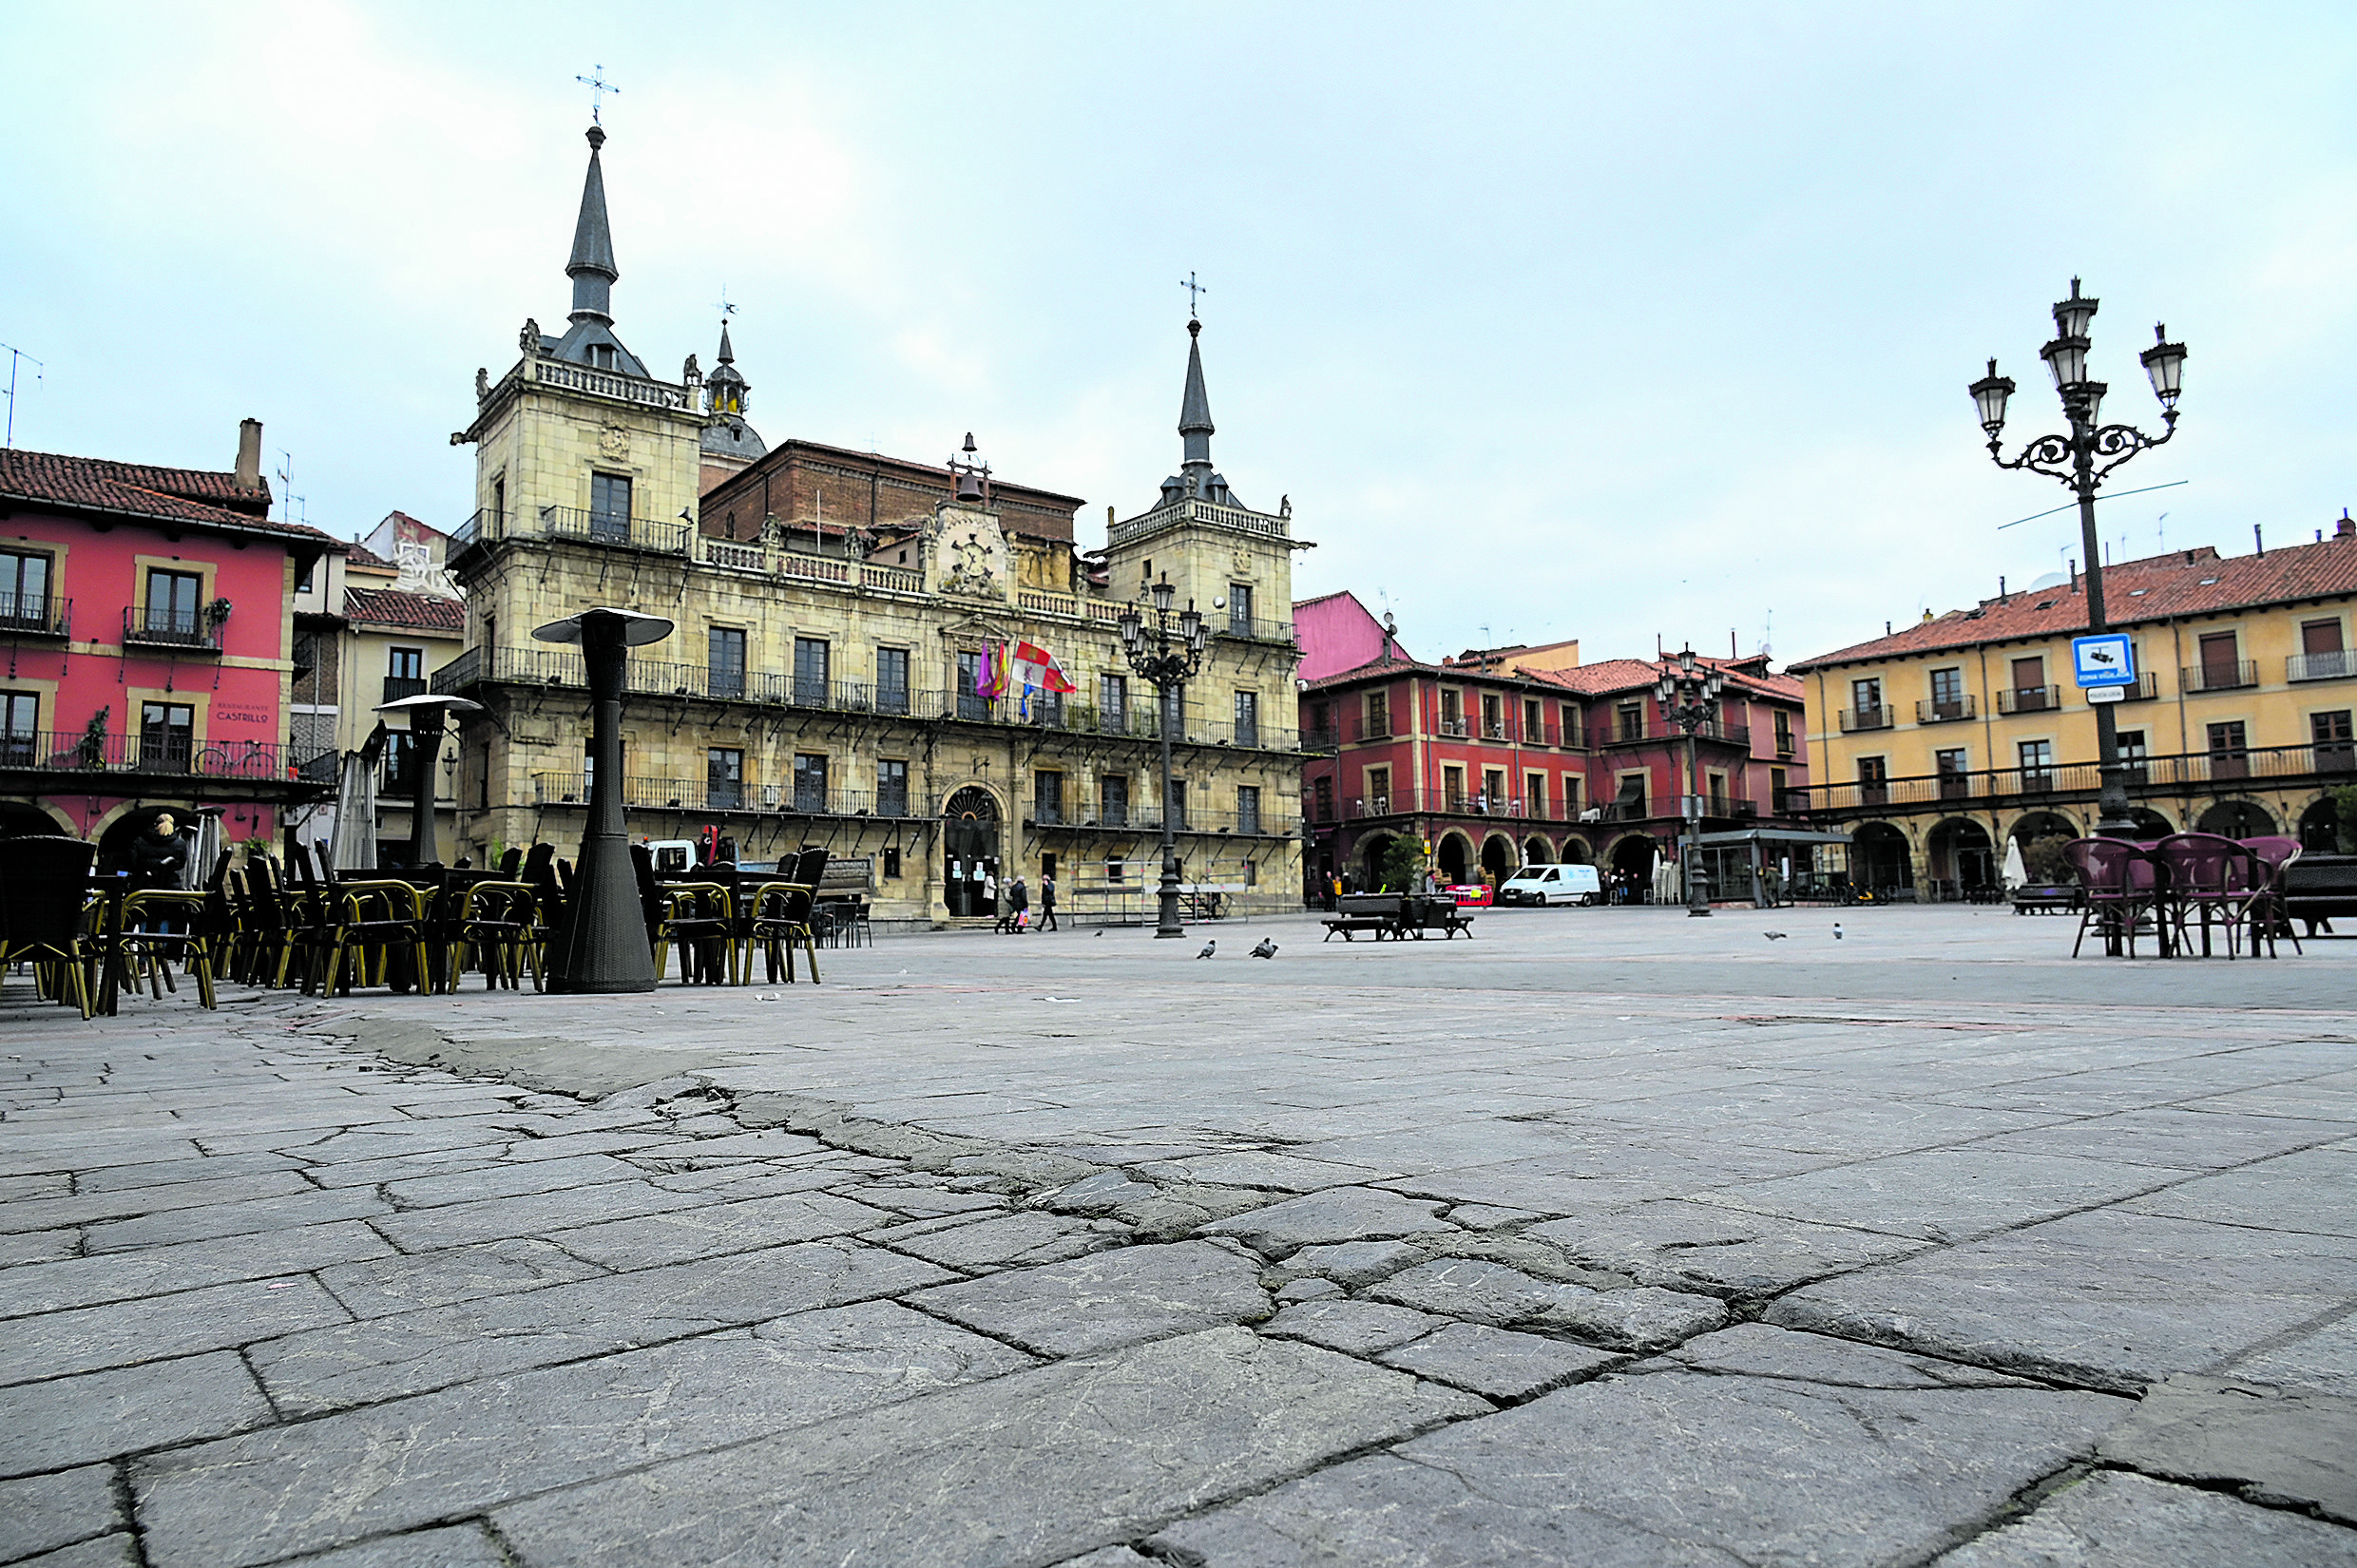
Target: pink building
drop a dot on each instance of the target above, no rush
(147, 620)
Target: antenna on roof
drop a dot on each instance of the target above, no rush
(15, 355)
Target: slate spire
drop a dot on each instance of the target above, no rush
(592, 268)
(1195, 424)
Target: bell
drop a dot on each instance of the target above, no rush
(969, 485)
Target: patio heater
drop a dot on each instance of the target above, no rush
(606, 948)
(426, 711)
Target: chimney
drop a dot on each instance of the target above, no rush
(2346, 528)
(2258, 540)
(249, 454)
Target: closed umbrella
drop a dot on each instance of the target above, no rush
(354, 847)
(208, 848)
(2016, 873)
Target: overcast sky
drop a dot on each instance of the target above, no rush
(1553, 321)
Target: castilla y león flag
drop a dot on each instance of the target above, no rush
(1037, 667)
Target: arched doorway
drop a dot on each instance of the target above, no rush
(2236, 819)
(1962, 858)
(23, 819)
(1878, 860)
(1632, 869)
(2149, 823)
(1373, 851)
(1455, 856)
(969, 846)
(1538, 852)
(2037, 825)
(2319, 828)
(1497, 858)
(1576, 852)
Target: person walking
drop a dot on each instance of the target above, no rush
(1018, 905)
(1047, 903)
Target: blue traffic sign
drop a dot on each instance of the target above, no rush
(2105, 660)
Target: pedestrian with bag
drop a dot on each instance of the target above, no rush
(1047, 904)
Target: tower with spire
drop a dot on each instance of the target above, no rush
(730, 445)
(1235, 563)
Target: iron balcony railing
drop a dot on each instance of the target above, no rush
(572, 523)
(2219, 677)
(2156, 774)
(2333, 665)
(172, 752)
(1475, 803)
(1937, 712)
(1865, 719)
(1451, 727)
(2029, 699)
(1257, 631)
(2144, 689)
(35, 615)
(655, 793)
(399, 686)
(1654, 729)
(154, 625)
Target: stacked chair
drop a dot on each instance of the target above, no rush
(782, 916)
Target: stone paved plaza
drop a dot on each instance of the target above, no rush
(1607, 1238)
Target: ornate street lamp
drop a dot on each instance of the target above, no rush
(1167, 663)
(2080, 460)
(1689, 695)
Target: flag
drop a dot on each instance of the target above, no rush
(990, 673)
(1039, 669)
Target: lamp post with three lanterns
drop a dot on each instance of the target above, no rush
(1689, 696)
(2080, 460)
(1167, 664)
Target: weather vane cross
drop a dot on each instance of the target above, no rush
(1192, 289)
(597, 87)
(726, 309)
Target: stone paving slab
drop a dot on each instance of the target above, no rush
(464, 1546)
(124, 1333)
(70, 1421)
(160, 1270)
(1644, 1318)
(1496, 1363)
(42, 1513)
(1108, 1299)
(2299, 1450)
(1084, 1454)
(2115, 1520)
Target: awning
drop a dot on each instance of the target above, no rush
(1774, 835)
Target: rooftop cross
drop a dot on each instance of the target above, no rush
(1192, 289)
(597, 87)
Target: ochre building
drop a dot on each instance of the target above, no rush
(1935, 744)
(833, 611)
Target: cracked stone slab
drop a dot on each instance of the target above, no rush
(386, 1286)
(1106, 1446)
(1100, 1193)
(508, 1178)
(1013, 1241)
(1645, 1318)
(2115, 1520)
(1947, 1194)
(75, 1420)
(1335, 1213)
(122, 1276)
(712, 1229)
(1276, 1172)
(2278, 1448)
(1497, 1363)
(387, 1357)
(1757, 1349)
(1350, 1264)
(115, 1551)
(531, 1214)
(1108, 1299)
(2313, 1191)
(412, 1462)
(1734, 1469)
(2114, 1298)
(1684, 1246)
(1354, 1328)
(2324, 1361)
(459, 1546)
(42, 1513)
(313, 1207)
(123, 1333)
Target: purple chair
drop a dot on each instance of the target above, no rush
(2118, 885)
(2270, 858)
(2209, 880)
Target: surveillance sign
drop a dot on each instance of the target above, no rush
(2103, 660)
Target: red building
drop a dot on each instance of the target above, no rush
(1505, 757)
(148, 620)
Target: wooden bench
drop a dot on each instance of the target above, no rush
(1436, 915)
(2319, 888)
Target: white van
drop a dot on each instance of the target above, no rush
(1552, 885)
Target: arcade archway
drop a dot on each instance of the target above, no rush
(2236, 819)
(1879, 858)
(1963, 859)
(2320, 827)
(1631, 868)
(1498, 858)
(969, 846)
(1538, 852)
(1454, 856)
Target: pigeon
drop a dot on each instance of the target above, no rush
(1099, 931)
(1837, 934)
(1207, 947)
(1266, 950)
(1773, 936)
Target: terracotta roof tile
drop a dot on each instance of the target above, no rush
(2182, 583)
(357, 554)
(416, 611)
(193, 496)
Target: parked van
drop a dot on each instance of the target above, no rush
(1552, 885)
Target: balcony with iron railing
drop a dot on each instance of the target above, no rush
(1655, 730)
(399, 686)
(2334, 664)
(2143, 689)
(171, 752)
(2029, 699)
(25, 616)
(1937, 712)
(1255, 631)
(2187, 772)
(182, 631)
(1853, 719)
(2219, 677)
